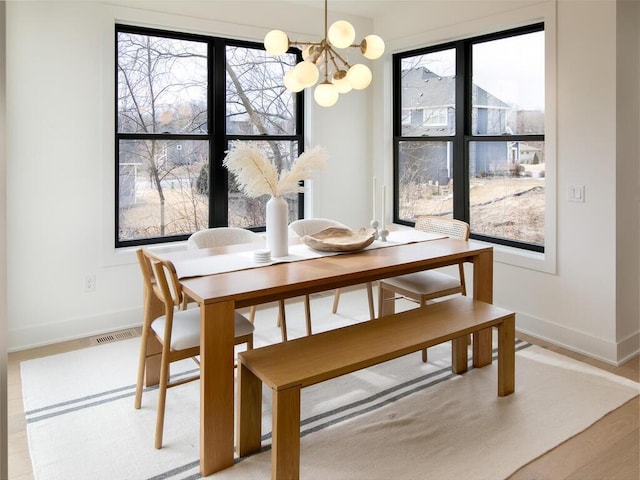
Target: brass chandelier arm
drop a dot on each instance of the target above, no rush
(344, 62)
(339, 68)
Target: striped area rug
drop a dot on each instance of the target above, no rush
(400, 420)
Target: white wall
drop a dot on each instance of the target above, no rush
(3, 253)
(628, 172)
(60, 151)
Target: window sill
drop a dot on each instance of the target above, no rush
(127, 255)
(541, 262)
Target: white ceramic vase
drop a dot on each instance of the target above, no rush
(277, 227)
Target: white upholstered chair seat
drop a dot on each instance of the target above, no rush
(424, 284)
(186, 328)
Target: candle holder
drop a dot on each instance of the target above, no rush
(383, 234)
(375, 224)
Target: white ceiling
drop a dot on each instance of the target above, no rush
(362, 8)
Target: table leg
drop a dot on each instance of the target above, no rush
(216, 386)
(483, 290)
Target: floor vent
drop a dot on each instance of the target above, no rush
(114, 336)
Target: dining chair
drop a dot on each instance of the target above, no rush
(222, 237)
(309, 226)
(170, 333)
(421, 287)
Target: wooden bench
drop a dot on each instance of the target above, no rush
(290, 366)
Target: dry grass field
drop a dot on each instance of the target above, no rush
(505, 207)
(512, 210)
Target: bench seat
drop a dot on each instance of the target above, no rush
(290, 366)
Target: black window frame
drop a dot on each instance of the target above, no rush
(463, 134)
(217, 135)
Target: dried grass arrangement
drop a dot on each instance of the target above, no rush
(257, 175)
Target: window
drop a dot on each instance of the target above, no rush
(469, 135)
(181, 99)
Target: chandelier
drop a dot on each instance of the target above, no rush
(322, 59)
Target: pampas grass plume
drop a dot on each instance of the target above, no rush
(257, 176)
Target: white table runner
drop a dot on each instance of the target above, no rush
(229, 262)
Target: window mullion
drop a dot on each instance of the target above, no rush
(219, 184)
(463, 126)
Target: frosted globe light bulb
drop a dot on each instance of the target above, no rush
(341, 34)
(341, 81)
(326, 94)
(359, 76)
(306, 73)
(306, 52)
(372, 47)
(291, 82)
(276, 42)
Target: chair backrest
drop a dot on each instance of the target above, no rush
(445, 226)
(309, 226)
(221, 237)
(158, 288)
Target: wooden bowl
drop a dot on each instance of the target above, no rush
(338, 239)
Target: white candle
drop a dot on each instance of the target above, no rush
(384, 201)
(374, 198)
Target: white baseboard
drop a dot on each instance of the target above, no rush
(611, 352)
(72, 329)
(628, 348)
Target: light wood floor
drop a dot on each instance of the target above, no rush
(607, 450)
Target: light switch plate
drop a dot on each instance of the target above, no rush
(576, 193)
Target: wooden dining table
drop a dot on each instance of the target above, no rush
(219, 295)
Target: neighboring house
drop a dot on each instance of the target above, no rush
(429, 110)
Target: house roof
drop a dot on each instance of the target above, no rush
(422, 88)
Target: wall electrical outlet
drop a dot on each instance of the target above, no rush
(90, 283)
(575, 193)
